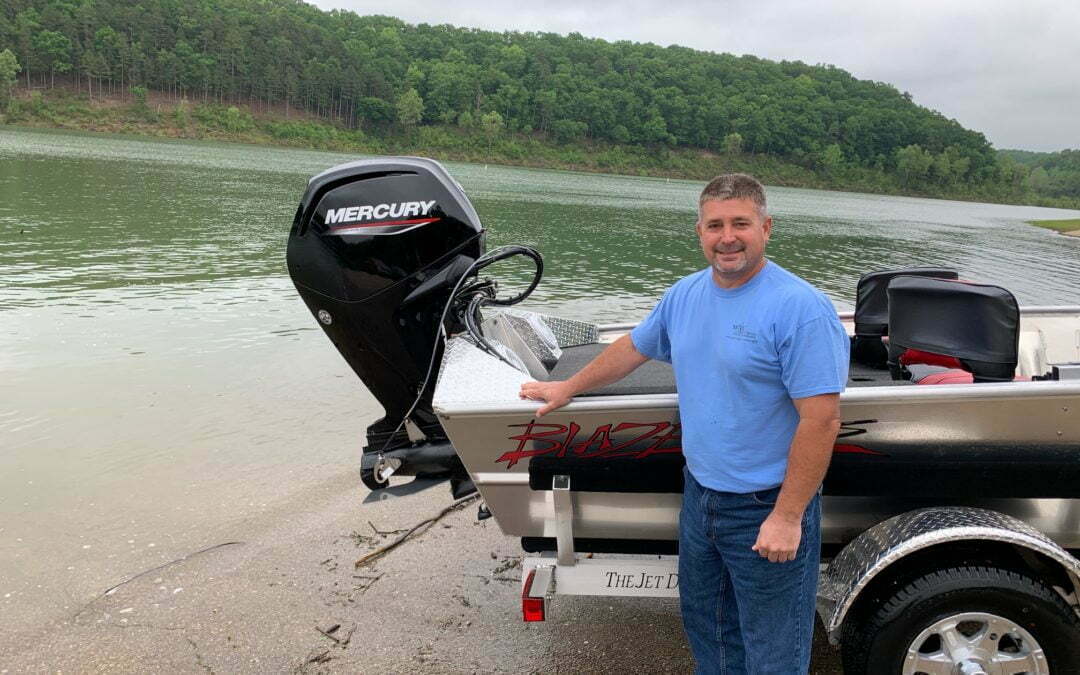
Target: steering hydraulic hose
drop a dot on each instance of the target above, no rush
(482, 294)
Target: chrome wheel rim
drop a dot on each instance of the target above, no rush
(974, 643)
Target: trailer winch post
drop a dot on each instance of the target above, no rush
(563, 502)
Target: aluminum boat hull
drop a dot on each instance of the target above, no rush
(1012, 447)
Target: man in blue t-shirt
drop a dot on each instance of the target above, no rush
(760, 358)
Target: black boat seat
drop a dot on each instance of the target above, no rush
(956, 324)
(872, 311)
(652, 377)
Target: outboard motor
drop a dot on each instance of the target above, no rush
(375, 250)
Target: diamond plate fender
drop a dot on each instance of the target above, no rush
(873, 551)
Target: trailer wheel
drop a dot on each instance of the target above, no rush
(966, 620)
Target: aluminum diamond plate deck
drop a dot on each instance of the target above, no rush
(470, 375)
(538, 337)
(569, 332)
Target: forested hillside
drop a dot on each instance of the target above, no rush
(1056, 174)
(386, 78)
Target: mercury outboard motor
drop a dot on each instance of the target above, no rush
(376, 248)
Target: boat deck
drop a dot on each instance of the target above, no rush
(657, 377)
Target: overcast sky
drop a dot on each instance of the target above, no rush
(1008, 69)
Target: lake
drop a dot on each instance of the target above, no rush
(162, 382)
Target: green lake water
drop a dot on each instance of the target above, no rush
(158, 373)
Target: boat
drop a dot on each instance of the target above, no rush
(377, 246)
(957, 398)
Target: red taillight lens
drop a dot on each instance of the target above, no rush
(532, 609)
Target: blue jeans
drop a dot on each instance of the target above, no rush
(742, 613)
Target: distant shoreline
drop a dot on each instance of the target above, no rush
(162, 116)
(1069, 227)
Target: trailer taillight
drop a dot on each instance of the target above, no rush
(532, 609)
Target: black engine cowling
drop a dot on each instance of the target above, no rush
(375, 249)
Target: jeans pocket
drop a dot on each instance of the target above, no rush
(766, 497)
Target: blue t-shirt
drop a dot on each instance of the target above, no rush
(740, 356)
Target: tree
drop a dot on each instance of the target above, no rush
(414, 76)
(545, 106)
(942, 168)
(111, 46)
(26, 24)
(568, 131)
(139, 94)
(451, 85)
(9, 68)
(913, 163)
(492, 123)
(410, 109)
(733, 143)
(54, 51)
(832, 159)
(1037, 181)
(375, 110)
(94, 67)
(656, 131)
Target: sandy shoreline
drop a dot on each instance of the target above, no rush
(446, 602)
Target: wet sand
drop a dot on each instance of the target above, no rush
(445, 602)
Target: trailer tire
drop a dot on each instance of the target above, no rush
(962, 602)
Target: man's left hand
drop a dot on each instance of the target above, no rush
(779, 537)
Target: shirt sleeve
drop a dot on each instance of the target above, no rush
(814, 358)
(650, 337)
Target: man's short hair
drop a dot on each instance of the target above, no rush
(734, 186)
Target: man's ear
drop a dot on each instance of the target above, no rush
(767, 226)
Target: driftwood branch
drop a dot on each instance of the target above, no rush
(418, 528)
(112, 589)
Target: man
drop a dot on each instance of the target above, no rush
(760, 359)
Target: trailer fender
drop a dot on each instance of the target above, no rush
(873, 551)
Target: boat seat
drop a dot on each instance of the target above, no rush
(1031, 360)
(955, 324)
(957, 376)
(652, 377)
(872, 312)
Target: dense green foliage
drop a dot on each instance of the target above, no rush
(1055, 174)
(9, 68)
(386, 78)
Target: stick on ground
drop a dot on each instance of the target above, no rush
(415, 529)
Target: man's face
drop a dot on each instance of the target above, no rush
(733, 236)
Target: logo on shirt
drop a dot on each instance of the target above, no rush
(739, 331)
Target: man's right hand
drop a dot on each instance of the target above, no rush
(618, 359)
(554, 394)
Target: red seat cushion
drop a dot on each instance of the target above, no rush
(956, 376)
(914, 356)
(953, 376)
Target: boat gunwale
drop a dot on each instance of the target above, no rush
(882, 394)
